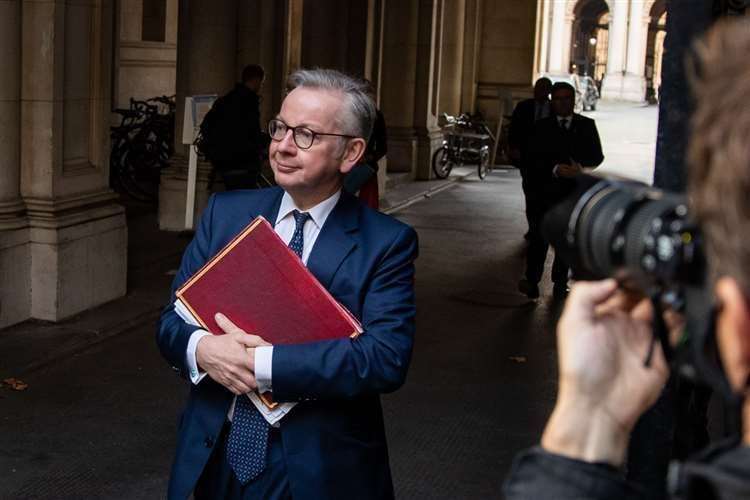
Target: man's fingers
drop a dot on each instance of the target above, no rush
(250, 340)
(585, 296)
(225, 324)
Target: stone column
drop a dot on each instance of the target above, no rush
(15, 266)
(77, 233)
(398, 82)
(206, 64)
(557, 40)
(634, 82)
(616, 55)
(428, 134)
(472, 46)
(451, 52)
(258, 42)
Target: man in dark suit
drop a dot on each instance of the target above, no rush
(525, 114)
(562, 145)
(332, 443)
(234, 139)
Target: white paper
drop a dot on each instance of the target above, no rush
(272, 416)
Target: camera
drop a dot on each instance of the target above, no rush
(644, 237)
(640, 235)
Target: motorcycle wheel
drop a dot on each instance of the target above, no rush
(441, 163)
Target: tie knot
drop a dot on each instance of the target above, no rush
(300, 218)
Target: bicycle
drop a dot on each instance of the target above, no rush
(141, 146)
(467, 140)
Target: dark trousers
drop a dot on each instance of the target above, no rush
(526, 195)
(536, 207)
(219, 482)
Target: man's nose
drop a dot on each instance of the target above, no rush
(287, 144)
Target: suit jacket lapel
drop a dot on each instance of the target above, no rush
(269, 207)
(334, 241)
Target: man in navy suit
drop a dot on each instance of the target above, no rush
(332, 443)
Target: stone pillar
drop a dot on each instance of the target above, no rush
(292, 36)
(451, 54)
(259, 42)
(15, 265)
(428, 134)
(557, 41)
(206, 64)
(398, 81)
(616, 55)
(634, 82)
(77, 233)
(472, 46)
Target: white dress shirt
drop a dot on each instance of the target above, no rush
(284, 227)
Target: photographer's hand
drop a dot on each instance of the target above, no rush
(604, 385)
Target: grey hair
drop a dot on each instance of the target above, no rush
(359, 114)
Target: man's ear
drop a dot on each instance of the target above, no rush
(353, 152)
(733, 332)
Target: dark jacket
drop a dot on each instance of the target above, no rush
(522, 129)
(720, 473)
(237, 130)
(552, 145)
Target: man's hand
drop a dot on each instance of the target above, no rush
(229, 359)
(603, 340)
(568, 170)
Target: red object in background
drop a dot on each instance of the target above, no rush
(264, 288)
(369, 194)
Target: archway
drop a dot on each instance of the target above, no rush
(589, 38)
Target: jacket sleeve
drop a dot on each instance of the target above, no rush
(374, 362)
(592, 151)
(536, 474)
(173, 333)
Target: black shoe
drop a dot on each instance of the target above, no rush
(526, 287)
(559, 292)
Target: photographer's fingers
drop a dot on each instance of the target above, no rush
(586, 296)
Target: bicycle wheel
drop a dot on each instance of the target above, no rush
(441, 163)
(483, 167)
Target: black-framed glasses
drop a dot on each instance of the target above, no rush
(303, 136)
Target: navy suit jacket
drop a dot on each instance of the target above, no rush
(333, 440)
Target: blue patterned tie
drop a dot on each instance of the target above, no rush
(297, 241)
(248, 436)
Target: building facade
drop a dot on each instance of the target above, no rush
(617, 42)
(68, 63)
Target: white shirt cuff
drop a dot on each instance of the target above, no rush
(263, 367)
(196, 374)
(554, 170)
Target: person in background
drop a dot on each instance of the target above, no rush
(520, 135)
(561, 146)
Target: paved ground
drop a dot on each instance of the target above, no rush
(628, 134)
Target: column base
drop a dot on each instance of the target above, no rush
(173, 194)
(77, 250)
(429, 140)
(627, 87)
(15, 269)
(402, 149)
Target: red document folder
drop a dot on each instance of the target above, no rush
(263, 287)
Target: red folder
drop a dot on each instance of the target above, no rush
(263, 287)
